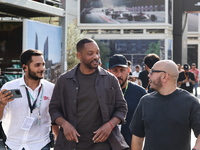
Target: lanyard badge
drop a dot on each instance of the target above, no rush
(32, 107)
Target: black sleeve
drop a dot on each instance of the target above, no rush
(180, 77)
(140, 76)
(194, 117)
(137, 125)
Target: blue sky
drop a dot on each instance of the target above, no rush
(43, 31)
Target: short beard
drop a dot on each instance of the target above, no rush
(157, 84)
(89, 65)
(33, 75)
(124, 82)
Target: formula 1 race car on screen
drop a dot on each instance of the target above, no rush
(129, 16)
(142, 16)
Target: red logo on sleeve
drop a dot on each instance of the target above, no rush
(46, 98)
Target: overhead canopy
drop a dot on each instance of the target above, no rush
(28, 8)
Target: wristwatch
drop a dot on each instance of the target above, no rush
(183, 81)
(194, 149)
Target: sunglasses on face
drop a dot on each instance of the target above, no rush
(152, 71)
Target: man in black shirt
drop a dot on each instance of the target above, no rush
(166, 116)
(186, 79)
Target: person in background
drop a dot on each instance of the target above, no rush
(132, 92)
(136, 73)
(186, 79)
(129, 65)
(88, 104)
(195, 71)
(130, 78)
(165, 117)
(26, 121)
(149, 61)
(180, 68)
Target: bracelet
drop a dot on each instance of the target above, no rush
(194, 149)
(183, 81)
(111, 125)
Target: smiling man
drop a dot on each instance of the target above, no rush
(26, 121)
(87, 104)
(118, 66)
(166, 116)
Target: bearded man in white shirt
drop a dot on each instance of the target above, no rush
(25, 120)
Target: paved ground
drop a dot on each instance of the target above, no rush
(193, 139)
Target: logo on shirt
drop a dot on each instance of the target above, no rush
(46, 98)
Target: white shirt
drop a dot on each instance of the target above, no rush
(136, 74)
(17, 110)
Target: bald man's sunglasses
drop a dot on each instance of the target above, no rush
(152, 71)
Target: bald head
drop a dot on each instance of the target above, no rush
(169, 67)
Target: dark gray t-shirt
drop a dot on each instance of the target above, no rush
(166, 121)
(88, 116)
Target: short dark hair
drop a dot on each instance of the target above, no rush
(129, 62)
(137, 66)
(151, 59)
(82, 42)
(26, 56)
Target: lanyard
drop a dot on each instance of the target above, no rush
(34, 102)
(126, 88)
(186, 76)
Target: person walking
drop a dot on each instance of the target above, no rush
(26, 121)
(132, 92)
(195, 71)
(186, 79)
(165, 117)
(87, 104)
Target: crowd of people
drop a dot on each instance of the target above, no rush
(90, 108)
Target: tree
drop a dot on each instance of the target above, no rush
(73, 36)
(154, 48)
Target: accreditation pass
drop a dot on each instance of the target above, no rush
(28, 121)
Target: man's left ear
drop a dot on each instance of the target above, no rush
(78, 55)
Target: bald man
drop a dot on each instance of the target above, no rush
(165, 117)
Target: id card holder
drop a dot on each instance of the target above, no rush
(187, 84)
(28, 122)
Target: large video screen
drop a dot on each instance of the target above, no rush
(121, 11)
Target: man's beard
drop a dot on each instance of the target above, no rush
(123, 81)
(89, 65)
(33, 75)
(157, 84)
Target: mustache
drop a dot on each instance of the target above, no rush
(95, 60)
(120, 78)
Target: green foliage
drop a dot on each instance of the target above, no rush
(154, 48)
(73, 36)
(104, 52)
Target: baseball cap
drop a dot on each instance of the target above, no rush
(186, 67)
(118, 60)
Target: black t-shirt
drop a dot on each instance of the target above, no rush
(89, 118)
(143, 76)
(166, 121)
(182, 77)
(132, 96)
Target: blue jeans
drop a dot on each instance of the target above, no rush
(195, 88)
(47, 147)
